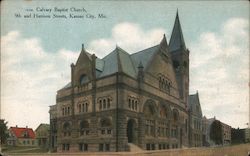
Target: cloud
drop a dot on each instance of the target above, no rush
(220, 71)
(129, 36)
(30, 77)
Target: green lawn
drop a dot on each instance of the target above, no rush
(20, 149)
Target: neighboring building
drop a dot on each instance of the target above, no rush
(204, 131)
(237, 136)
(123, 98)
(247, 135)
(226, 134)
(42, 135)
(19, 136)
(195, 121)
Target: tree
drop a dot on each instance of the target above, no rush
(3, 131)
(216, 132)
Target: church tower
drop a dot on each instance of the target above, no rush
(180, 58)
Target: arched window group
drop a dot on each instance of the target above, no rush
(106, 126)
(104, 103)
(65, 110)
(133, 103)
(84, 127)
(164, 83)
(83, 106)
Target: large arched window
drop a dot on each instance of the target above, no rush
(83, 79)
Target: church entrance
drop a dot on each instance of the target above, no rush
(131, 131)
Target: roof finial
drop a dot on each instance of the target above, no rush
(82, 46)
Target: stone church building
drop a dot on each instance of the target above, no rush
(123, 99)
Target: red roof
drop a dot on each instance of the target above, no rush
(23, 132)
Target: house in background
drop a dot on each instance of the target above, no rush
(42, 135)
(225, 131)
(21, 136)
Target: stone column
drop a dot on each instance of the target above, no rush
(141, 131)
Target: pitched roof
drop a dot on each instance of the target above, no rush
(177, 40)
(19, 132)
(194, 104)
(47, 126)
(143, 56)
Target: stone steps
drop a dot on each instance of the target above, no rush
(134, 148)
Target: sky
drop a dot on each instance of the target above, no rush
(36, 53)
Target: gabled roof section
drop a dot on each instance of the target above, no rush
(194, 104)
(83, 53)
(43, 125)
(110, 64)
(177, 40)
(23, 132)
(118, 60)
(143, 57)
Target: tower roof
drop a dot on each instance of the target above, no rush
(177, 40)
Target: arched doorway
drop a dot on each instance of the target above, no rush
(131, 131)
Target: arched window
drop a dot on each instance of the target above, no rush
(63, 111)
(104, 103)
(108, 103)
(83, 107)
(80, 109)
(136, 104)
(87, 106)
(133, 105)
(129, 103)
(100, 104)
(68, 111)
(83, 79)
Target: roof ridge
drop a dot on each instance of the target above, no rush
(145, 49)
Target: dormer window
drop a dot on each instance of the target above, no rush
(83, 79)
